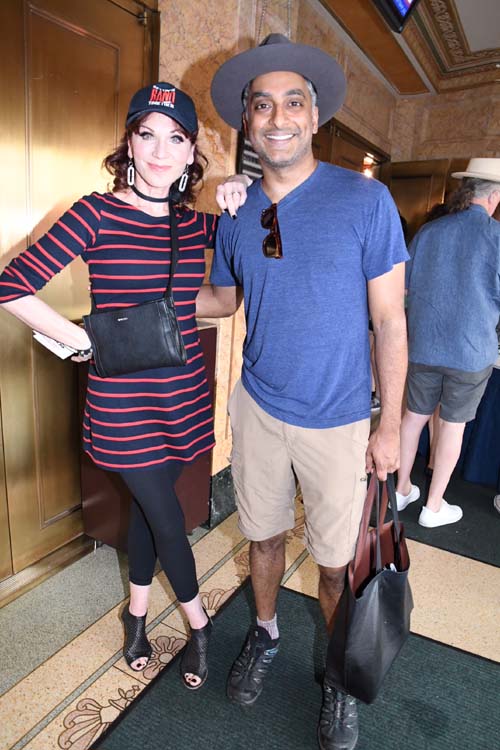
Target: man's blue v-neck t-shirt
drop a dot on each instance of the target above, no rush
(306, 358)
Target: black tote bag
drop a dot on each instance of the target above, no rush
(373, 618)
(142, 337)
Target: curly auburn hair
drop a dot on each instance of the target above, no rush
(116, 163)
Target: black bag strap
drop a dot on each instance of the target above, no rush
(381, 506)
(174, 257)
(391, 495)
(391, 492)
(378, 550)
(174, 249)
(379, 494)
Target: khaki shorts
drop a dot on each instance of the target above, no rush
(328, 463)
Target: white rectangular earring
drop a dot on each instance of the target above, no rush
(130, 173)
(184, 179)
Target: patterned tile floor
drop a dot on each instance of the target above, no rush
(68, 699)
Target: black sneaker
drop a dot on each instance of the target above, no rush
(247, 674)
(338, 722)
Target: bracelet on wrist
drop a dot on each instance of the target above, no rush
(84, 352)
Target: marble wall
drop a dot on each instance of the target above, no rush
(370, 103)
(458, 124)
(195, 40)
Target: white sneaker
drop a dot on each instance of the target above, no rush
(496, 503)
(404, 500)
(446, 514)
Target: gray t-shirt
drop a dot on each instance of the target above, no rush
(453, 282)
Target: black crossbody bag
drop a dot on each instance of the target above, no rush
(142, 337)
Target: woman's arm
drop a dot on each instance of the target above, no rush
(26, 274)
(232, 193)
(39, 316)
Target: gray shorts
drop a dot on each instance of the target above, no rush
(458, 392)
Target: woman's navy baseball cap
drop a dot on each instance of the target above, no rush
(167, 99)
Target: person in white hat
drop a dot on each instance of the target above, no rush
(314, 248)
(453, 281)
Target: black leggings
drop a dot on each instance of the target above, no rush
(157, 528)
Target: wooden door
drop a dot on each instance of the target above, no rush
(348, 155)
(417, 186)
(337, 144)
(70, 68)
(5, 553)
(322, 143)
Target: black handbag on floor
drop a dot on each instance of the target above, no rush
(373, 617)
(142, 337)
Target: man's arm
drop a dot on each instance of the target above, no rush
(385, 299)
(218, 301)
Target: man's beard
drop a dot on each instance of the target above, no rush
(284, 162)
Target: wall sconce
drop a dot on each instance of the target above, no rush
(369, 164)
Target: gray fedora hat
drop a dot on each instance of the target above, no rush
(277, 52)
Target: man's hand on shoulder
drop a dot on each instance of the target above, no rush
(382, 454)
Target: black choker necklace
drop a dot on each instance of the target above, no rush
(148, 197)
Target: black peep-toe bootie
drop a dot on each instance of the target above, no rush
(195, 657)
(137, 645)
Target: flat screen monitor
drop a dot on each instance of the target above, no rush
(396, 12)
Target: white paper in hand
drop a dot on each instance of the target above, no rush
(55, 347)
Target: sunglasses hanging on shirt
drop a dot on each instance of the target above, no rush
(271, 244)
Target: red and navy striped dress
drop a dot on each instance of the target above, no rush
(143, 419)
